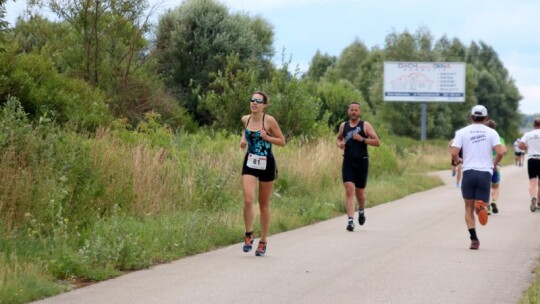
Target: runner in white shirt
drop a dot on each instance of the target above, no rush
(531, 142)
(518, 153)
(477, 142)
(496, 177)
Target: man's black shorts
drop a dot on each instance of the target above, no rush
(533, 167)
(476, 185)
(355, 170)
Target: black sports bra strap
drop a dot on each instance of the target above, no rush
(247, 123)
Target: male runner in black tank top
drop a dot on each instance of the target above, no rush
(354, 136)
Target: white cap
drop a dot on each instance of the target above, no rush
(479, 111)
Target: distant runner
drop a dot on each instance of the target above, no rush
(456, 168)
(477, 142)
(518, 153)
(531, 142)
(354, 136)
(496, 178)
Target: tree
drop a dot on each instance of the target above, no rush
(335, 98)
(369, 81)
(495, 90)
(110, 33)
(3, 23)
(450, 50)
(349, 62)
(319, 65)
(103, 42)
(44, 92)
(229, 92)
(453, 50)
(194, 40)
(291, 103)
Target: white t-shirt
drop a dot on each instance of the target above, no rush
(532, 139)
(477, 142)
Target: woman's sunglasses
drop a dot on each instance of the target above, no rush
(257, 100)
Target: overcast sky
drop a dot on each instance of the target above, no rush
(301, 27)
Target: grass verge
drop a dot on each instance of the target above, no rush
(532, 294)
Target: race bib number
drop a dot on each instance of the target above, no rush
(256, 162)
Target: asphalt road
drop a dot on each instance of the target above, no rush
(412, 250)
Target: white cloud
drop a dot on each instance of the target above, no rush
(502, 21)
(525, 70)
(531, 101)
(523, 74)
(260, 6)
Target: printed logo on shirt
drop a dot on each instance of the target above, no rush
(350, 134)
(478, 138)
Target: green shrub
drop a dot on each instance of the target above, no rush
(336, 97)
(43, 92)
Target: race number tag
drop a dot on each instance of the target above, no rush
(256, 162)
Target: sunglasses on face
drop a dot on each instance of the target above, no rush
(257, 100)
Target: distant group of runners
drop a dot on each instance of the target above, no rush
(478, 148)
(476, 152)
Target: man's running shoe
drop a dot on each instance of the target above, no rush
(361, 218)
(261, 249)
(489, 209)
(534, 203)
(248, 243)
(494, 208)
(475, 244)
(481, 212)
(350, 225)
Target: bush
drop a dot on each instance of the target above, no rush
(292, 104)
(229, 93)
(43, 92)
(336, 97)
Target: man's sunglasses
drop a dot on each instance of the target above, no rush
(257, 100)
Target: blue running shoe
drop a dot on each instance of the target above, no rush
(248, 243)
(261, 249)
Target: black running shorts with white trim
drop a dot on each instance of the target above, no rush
(476, 185)
(355, 170)
(267, 175)
(533, 167)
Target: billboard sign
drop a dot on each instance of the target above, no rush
(424, 81)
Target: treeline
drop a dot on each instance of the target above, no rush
(527, 121)
(103, 60)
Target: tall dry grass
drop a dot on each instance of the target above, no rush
(314, 164)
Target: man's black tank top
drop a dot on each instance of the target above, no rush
(354, 148)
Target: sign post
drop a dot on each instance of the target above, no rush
(423, 123)
(424, 82)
